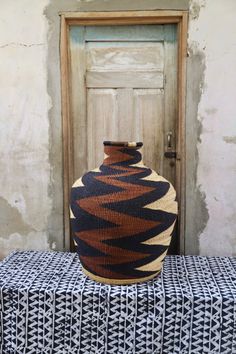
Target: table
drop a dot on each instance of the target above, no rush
(47, 305)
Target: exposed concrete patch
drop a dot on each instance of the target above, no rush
(36, 241)
(114, 5)
(211, 110)
(196, 211)
(195, 8)
(230, 139)
(16, 234)
(11, 220)
(217, 158)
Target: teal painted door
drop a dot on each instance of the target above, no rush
(124, 87)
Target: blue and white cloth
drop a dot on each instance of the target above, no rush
(47, 306)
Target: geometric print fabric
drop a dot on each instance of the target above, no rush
(47, 306)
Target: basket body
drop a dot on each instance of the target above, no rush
(122, 217)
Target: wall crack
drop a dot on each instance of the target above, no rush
(14, 44)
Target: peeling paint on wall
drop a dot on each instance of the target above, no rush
(230, 139)
(17, 241)
(216, 171)
(195, 8)
(115, 5)
(24, 145)
(7, 216)
(196, 210)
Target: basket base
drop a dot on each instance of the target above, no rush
(118, 281)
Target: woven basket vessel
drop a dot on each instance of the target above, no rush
(122, 217)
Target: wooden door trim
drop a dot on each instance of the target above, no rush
(122, 18)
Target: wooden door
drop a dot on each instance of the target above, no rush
(124, 87)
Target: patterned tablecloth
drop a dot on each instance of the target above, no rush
(48, 306)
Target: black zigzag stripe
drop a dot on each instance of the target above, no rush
(111, 202)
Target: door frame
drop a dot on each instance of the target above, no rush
(122, 18)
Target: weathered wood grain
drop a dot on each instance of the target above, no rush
(171, 112)
(115, 55)
(131, 79)
(149, 114)
(102, 123)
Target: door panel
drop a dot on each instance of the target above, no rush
(124, 64)
(114, 55)
(124, 87)
(102, 122)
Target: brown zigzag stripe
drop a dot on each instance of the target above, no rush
(122, 216)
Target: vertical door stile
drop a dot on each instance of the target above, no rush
(170, 121)
(78, 101)
(170, 105)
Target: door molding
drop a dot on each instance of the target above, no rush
(122, 18)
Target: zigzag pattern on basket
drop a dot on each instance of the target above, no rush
(108, 199)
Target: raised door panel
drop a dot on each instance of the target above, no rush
(115, 55)
(102, 122)
(124, 64)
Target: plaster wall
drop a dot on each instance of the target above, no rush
(31, 205)
(25, 203)
(212, 38)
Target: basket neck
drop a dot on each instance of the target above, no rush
(122, 153)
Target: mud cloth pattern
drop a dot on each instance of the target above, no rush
(48, 305)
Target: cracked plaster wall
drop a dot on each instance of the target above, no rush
(31, 205)
(25, 204)
(212, 37)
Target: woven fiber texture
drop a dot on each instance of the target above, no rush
(122, 217)
(48, 305)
